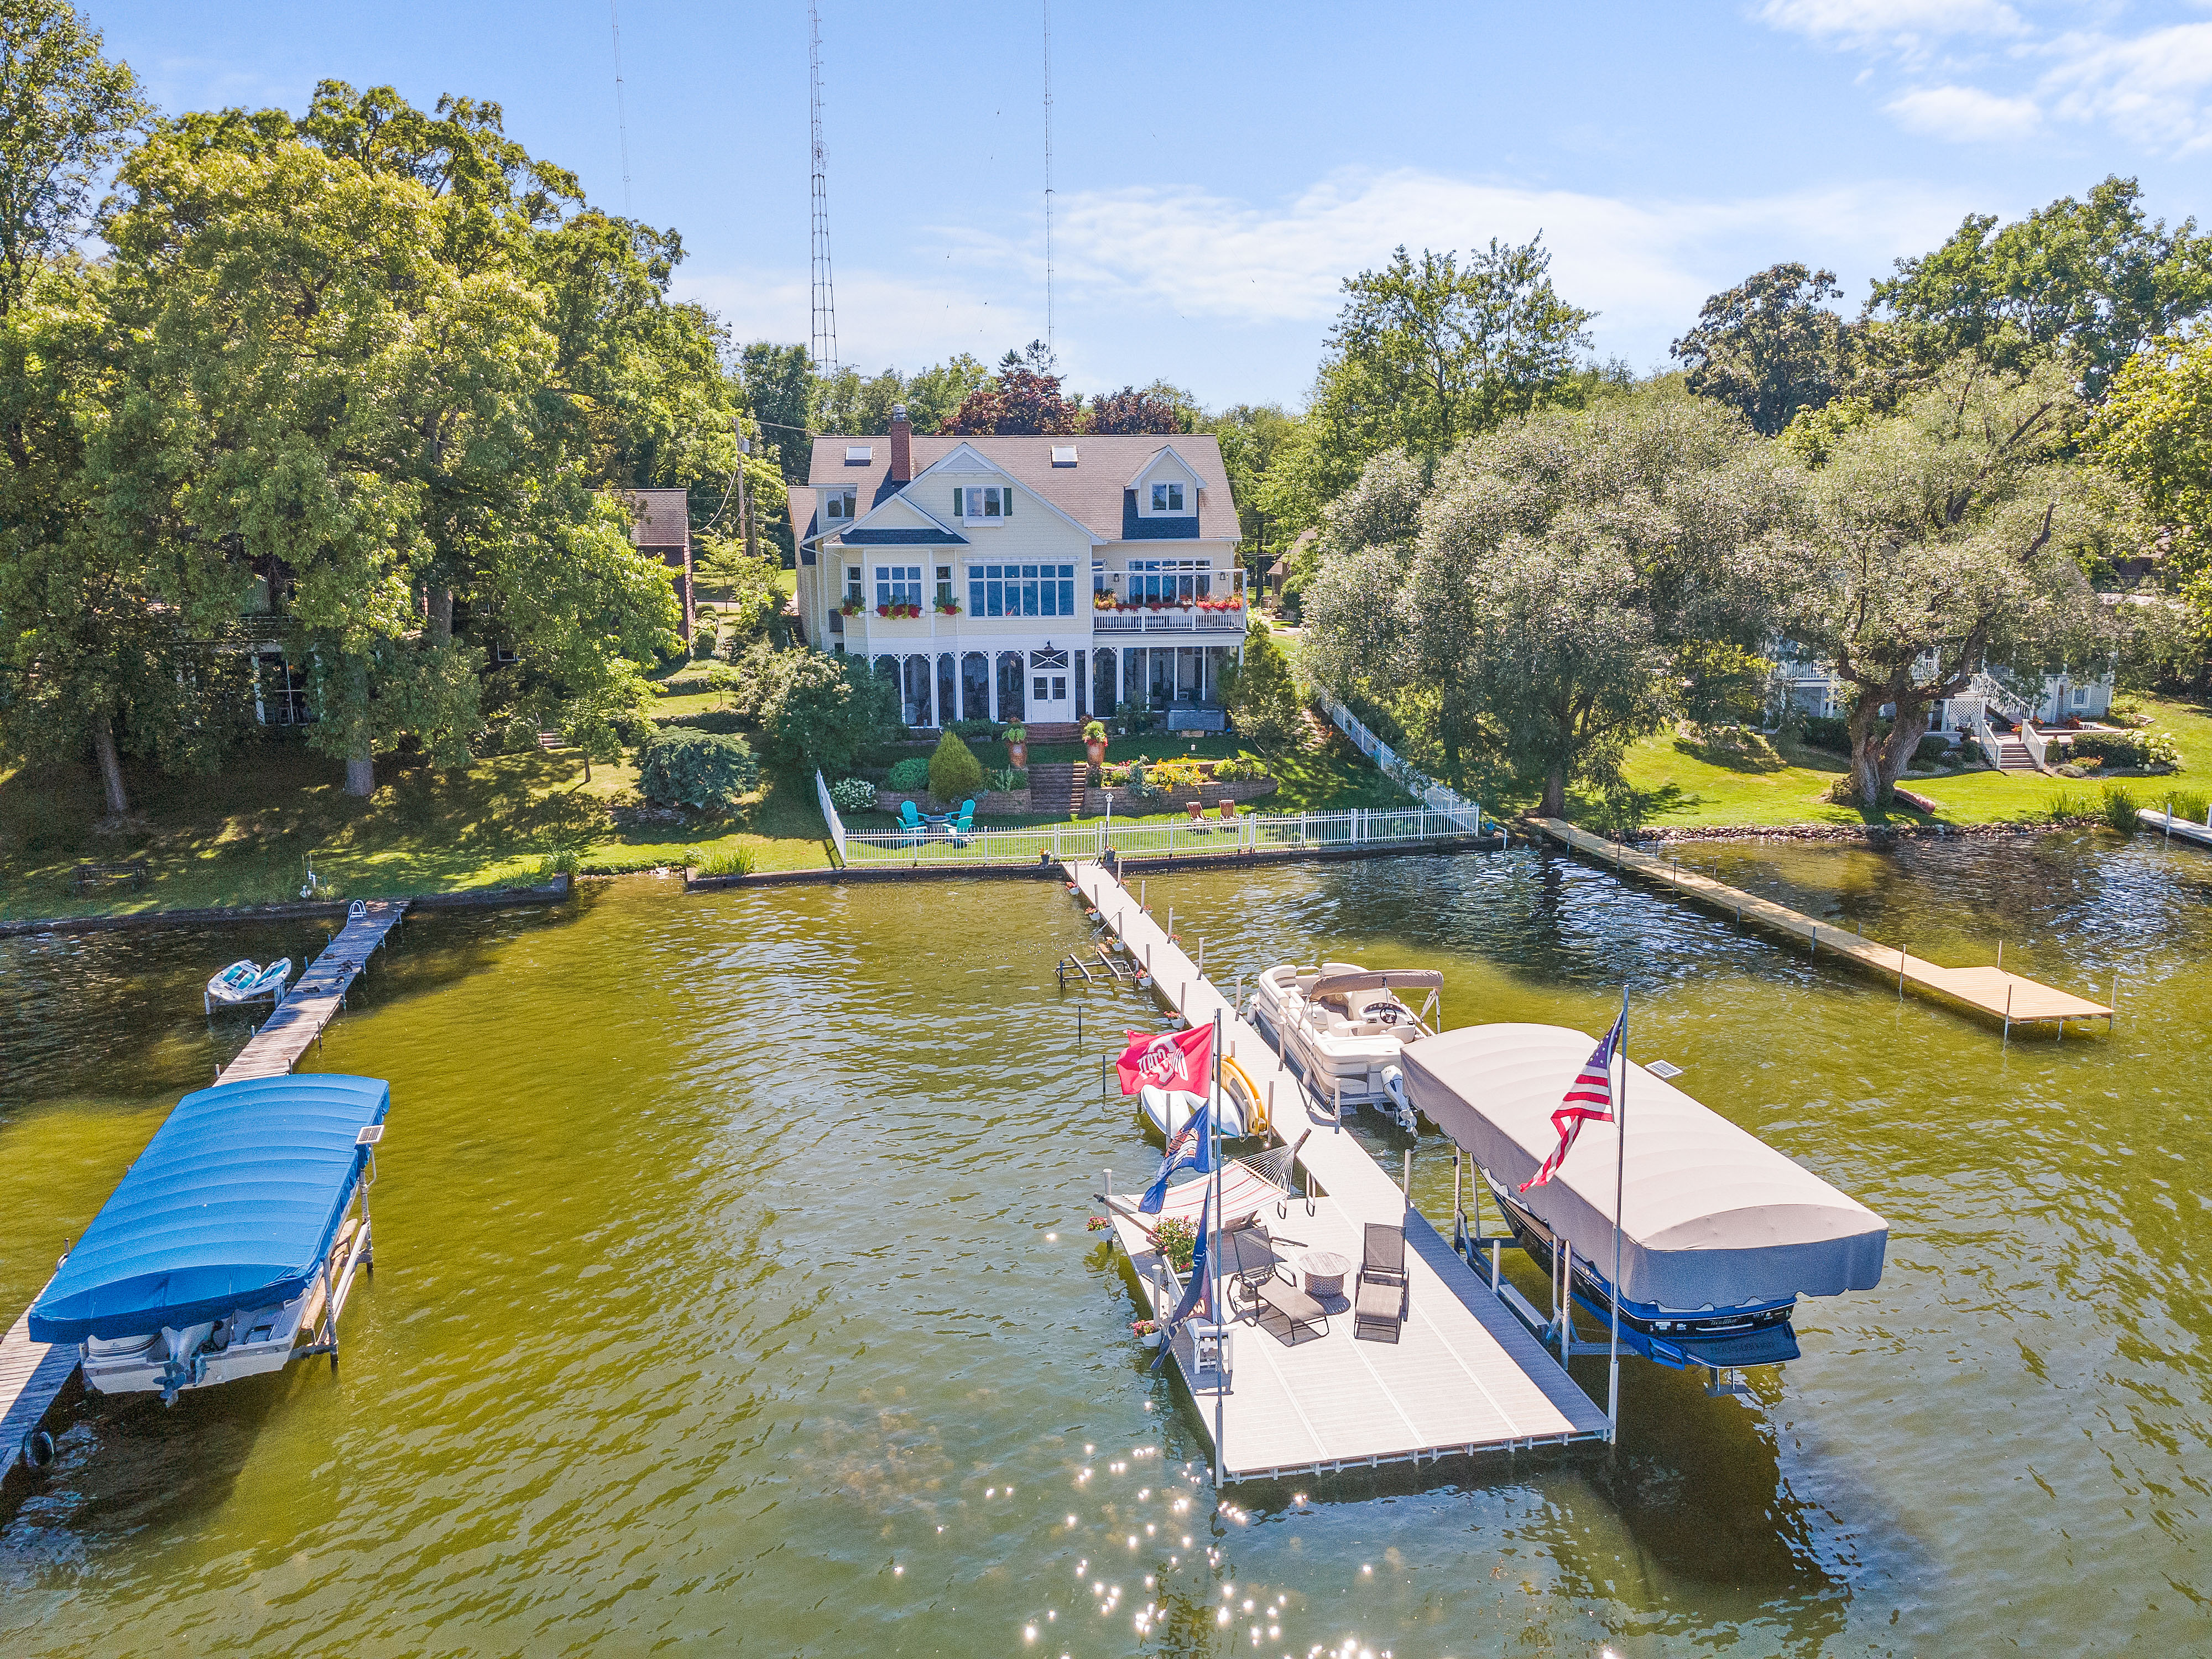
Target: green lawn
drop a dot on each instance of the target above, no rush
(1680, 785)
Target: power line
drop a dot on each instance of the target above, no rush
(825, 289)
(1047, 175)
(621, 114)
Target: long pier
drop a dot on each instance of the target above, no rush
(1465, 1375)
(2012, 998)
(2168, 825)
(34, 1375)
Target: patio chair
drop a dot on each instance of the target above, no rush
(1194, 809)
(1272, 1298)
(960, 826)
(1229, 811)
(910, 823)
(1380, 1302)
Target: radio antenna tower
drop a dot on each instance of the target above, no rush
(825, 289)
(1049, 341)
(621, 115)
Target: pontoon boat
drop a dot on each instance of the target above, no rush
(1344, 1028)
(1721, 1234)
(230, 1247)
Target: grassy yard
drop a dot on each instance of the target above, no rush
(1679, 784)
(243, 836)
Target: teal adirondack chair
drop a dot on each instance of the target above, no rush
(963, 824)
(910, 823)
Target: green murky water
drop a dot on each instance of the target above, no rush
(733, 1293)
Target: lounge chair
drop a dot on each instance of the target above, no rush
(910, 823)
(1194, 809)
(1229, 811)
(1379, 1303)
(1273, 1298)
(963, 824)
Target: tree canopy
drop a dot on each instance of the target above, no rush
(1768, 347)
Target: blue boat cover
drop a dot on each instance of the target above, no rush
(233, 1204)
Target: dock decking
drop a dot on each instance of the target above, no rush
(2012, 998)
(1465, 1376)
(33, 1374)
(2169, 826)
(315, 997)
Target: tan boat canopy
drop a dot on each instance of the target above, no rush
(1713, 1215)
(1340, 981)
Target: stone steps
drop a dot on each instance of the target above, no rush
(1057, 790)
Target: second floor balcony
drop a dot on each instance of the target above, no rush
(1203, 602)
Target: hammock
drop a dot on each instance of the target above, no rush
(1248, 1185)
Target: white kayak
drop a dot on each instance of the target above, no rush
(1168, 1109)
(245, 981)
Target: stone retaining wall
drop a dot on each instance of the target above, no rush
(992, 803)
(1210, 796)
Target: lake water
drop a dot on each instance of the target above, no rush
(733, 1291)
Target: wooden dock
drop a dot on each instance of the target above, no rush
(1465, 1376)
(2011, 997)
(316, 997)
(2169, 826)
(33, 1374)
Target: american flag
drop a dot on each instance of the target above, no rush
(1589, 1098)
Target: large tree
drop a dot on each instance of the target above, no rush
(383, 358)
(1531, 607)
(2095, 277)
(1428, 352)
(1769, 346)
(2155, 431)
(88, 659)
(1951, 539)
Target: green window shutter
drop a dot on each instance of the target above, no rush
(956, 503)
(1007, 496)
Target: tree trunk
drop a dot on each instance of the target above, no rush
(111, 767)
(440, 627)
(587, 766)
(1554, 804)
(360, 776)
(1877, 763)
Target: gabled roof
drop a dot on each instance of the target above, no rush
(1095, 493)
(659, 518)
(1152, 460)
(899, 520)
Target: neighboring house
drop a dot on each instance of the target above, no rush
(1806, 682)
(660, 524)
(1044, 580)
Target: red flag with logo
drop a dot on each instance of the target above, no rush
(1168, 1059)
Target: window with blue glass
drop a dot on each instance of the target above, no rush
(1174, 581)
(898, 584)
(1021, 589)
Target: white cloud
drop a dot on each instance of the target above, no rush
(1963, 113)
(1902, 25)
(1646, 266)
(2151, 90)
(883, 317)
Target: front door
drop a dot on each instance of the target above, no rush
(1051, 687)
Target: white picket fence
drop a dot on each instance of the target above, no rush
(829, 814)
(1393, 765)
(1058, 843)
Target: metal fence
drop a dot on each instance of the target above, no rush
(1063, 843)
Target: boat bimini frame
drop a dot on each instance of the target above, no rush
(1342, 1029)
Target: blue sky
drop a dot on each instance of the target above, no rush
(1219, 167)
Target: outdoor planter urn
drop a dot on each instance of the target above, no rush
(1093, 746)
(1017, 748)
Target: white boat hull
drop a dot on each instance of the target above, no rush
(1168, 1109)
(1349, 1056)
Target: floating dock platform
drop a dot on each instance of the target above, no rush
(2169, 826)
(2012, 998)
(1466, 1375)
(33, 1375)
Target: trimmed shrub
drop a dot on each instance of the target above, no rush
(1830, 731)
(976, 731)
(852, 795)
(683, 767)
(1932, 750)
(909, 776)
(2114, 748)
(954, 771)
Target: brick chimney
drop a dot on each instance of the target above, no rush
(902, 447)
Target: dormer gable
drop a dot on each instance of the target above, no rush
(971, 490)
(1165, 487)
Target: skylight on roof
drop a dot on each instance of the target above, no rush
(1063, 454)
(860, 452)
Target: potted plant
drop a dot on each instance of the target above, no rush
(1018, 747)
(948, 607)
(1094, 741)
(851, 607)
(1147, 1331)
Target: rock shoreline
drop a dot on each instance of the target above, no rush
(1860, 832)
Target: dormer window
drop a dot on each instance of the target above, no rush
(859, 454)
(1167, 498)
(983, 504)
(838, 505)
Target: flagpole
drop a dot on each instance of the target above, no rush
(1213, 1256)
(1620, 1182)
